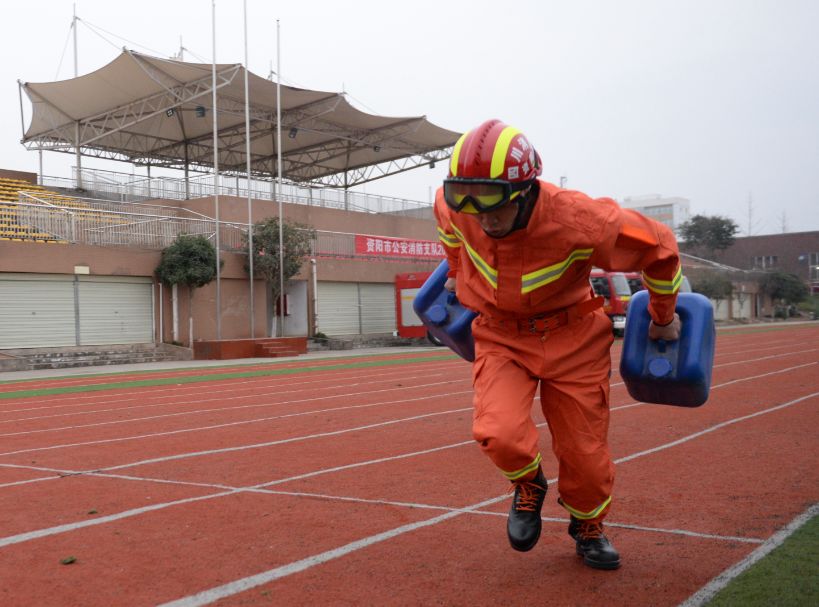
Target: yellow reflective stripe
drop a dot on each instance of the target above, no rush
(487, 271)
(513, 476)
(456, 151)
(584, 516)
(449, 240)
(538, 278)
(664, 287)
(499, 153)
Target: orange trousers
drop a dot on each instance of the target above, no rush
(572, 365)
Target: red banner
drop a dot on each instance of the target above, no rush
(397, 247)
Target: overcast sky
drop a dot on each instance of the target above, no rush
(716, 101)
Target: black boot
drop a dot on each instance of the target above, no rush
(592, 545)
(523, 526)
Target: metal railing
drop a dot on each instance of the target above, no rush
(106, 223)
(102, 224)
(126, 187)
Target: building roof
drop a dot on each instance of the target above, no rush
(150, 110)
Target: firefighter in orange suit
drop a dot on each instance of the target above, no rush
(520, 251)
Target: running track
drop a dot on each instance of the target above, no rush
(354, 482)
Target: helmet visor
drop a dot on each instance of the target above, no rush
(480, 195)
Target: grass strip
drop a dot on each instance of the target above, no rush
(788, 576)
(195, 379)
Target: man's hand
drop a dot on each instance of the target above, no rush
(669, 332)
(449, 285)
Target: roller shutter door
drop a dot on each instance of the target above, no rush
(115, 310)
(52, 311)
(37, 311)
(338, 308)
(377, 307)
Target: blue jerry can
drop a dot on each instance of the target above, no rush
(670, 372)
(444, 317)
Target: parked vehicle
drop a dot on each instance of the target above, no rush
(616, 293)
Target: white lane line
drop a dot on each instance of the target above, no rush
(231, 408)
(707, 592)
(257, 405)
(713, 428)
(33, 535)
(193, 390)
(609, 523)
(769, 357)
(236, 395)
(284, 441)
(216, 593)
(626, 406)
(330, 368)
(225, 425)
(237, 586)
(39, 479)
(204, 389)
(728, 383)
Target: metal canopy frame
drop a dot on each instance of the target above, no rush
(329, 141)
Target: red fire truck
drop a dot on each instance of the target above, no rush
(407, 321)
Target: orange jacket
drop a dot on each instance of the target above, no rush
(546, 266)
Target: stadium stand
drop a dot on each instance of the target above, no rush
(10, 226)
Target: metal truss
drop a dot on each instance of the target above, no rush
(115, 134)
(378, 171)
(118, 120)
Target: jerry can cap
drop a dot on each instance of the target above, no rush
(659, 367)
(437, 314)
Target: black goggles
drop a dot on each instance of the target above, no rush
(480, 195)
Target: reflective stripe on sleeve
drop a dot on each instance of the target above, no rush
(539, 278)
(529, 468)
(664, 287)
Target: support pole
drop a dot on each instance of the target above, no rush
(279, 158)
(249, 202)
(187, 177)
(216, 182)
(78, 181)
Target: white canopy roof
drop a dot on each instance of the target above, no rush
(150, 110)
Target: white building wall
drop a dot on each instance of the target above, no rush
(672, 211)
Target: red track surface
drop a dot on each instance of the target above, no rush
(343, 486)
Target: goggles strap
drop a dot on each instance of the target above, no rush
(526, 204)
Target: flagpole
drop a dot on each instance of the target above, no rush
(279, 171)
(216, 181)
(249, 203)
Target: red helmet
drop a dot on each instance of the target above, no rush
(494, 150)
(493, 154)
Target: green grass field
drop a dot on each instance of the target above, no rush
(788, 576)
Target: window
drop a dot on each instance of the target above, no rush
(814, 267)
(765, 262)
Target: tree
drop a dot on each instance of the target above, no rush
(297, 245)
(709, 234)
(189, 260)
(786, 288)
(714, 286)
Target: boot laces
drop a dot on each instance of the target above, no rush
(590, 530)
(528, 494)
